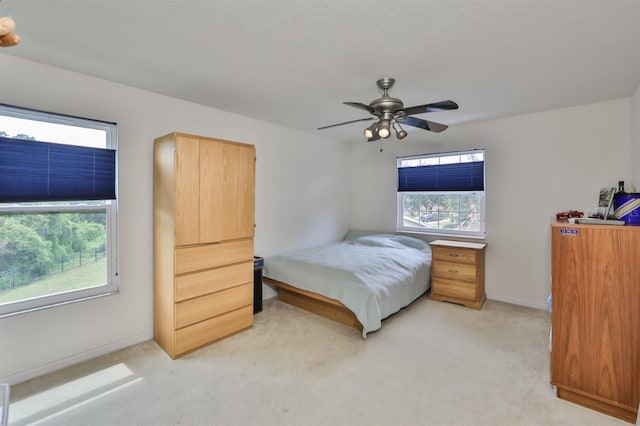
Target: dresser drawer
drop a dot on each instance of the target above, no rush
(455, 271)
(211, 305)
(454, 289)
(205, 332)
(197, 258)
(212, 280)
(454, 254)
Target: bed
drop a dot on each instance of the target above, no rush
(358, 281)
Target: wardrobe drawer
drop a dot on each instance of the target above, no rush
(210, 305)
(197, 258)
(205, 332)
(212, 280)
(454, 254)
(454, 271)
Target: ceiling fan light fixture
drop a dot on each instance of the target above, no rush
(371, 131)
(400, 132)
(383, 129)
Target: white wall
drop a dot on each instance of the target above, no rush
(536, 165)
(635, 139)
(300, 200)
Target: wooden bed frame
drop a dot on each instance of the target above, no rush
(316, 303)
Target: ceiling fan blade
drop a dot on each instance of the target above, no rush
(434, 107)
(361, 106)
(346, 122)
(424, 124)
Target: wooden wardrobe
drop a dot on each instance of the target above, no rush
(203, 229)
(595, 345)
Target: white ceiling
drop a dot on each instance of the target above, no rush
(293, 62)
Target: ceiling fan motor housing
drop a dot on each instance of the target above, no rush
(386, 104)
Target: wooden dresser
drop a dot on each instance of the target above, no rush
(457, 273)
(595, 357)
(203, 222)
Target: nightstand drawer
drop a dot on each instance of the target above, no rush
(453, 254)
(455, 271)
(454, 289)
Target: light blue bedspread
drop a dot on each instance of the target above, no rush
(372, 275)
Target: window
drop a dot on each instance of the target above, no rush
(58, 209)
(442, 194)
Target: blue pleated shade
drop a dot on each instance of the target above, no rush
(43, 171)
(467, 176)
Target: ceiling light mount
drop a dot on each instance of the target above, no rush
(386, 104)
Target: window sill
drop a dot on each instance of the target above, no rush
(443, 234)
(54, 305)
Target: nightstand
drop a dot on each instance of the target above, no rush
(457, 273)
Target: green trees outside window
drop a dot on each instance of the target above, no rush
(36, 246)
(442, 211)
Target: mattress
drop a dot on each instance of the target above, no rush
(373, 275)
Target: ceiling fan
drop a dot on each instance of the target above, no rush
(390, 112)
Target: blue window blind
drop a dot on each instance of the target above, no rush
(43, 171)
(442, 177)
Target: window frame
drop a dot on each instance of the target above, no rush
(401, 227)
(110, 207)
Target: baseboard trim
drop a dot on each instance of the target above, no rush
(50, 367)
(542, 306)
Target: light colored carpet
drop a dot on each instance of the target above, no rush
(433, 363)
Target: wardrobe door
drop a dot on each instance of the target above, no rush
(211, 208)
(187, 193)
(238, 192)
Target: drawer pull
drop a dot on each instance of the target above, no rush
(453, 271)
(453, 254)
